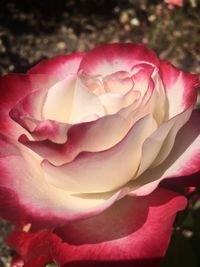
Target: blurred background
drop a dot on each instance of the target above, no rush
(32, 30)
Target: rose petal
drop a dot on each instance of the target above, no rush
(59, 67)
(142, 78)
(183, 160)
(45, 205)
(34, 249)
(114, 102)
(107, 59)
(29, 106)
(158, 146)
(118, 82)
(84, 104)
(13, 88)
(97, 172)
(59, 100)
(125, 236)
(88, 136)
(181, 88)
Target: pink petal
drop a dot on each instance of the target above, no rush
(13, 88)
(142, 78)
(34, 249)
(59, 67)
(89, 136)
(107, 59)
(29, 106)
(25, 197)
(134, 231)
(181, 88)
(97, 172)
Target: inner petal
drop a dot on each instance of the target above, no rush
(93, 83)
(85, 103)
(103, 171)
(113, 102)
(119, 82)
(58, 103)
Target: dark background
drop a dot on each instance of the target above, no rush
(33, 30)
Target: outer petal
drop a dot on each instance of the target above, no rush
(184, 159)
(107, 59)
(13, 88)
(34, 249)
(134, 232)
(97, 172)
(59, 67)
(25, 197)
(181, 88)
(29, 107)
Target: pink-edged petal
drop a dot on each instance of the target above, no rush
(107, 59)
(181, 88)
(147, 81)
(94, 172)
(59, 67)
(133, 232)
(45, 205)
(61, 142)
(183, 160)
(158, 146)
(29, 107)
(13, 88)
(142, 78)
(89, 136)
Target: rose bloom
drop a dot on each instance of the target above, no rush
(86, 140)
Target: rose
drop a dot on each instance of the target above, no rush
(80, 132)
